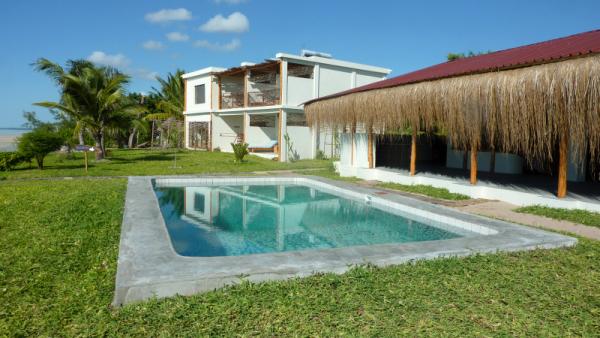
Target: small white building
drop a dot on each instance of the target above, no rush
(262, 104)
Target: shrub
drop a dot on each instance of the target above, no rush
(38, 143)
(321, 155)
(9, 160)
(239, 151)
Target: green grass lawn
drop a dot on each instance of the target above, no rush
(427, 190)
(59, 243)
(577, 216)
(155, 162)
(331, 174)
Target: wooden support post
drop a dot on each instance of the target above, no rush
(563, 160)
(413, 152)
(245, 127)
(370, 145)
(473, 164)
(246, 97)
(493, 160)
(279, 136)
(219, 104)
(353, 143)
(85, 161)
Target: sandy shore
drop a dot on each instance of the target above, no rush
(7, 142)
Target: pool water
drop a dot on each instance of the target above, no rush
(233, 220)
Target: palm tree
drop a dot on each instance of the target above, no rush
(58, 74)
(94, 95)
(168, 107)
(170, 97)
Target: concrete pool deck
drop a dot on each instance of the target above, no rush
(149, 267)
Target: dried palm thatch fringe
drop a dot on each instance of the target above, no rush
(519, 110)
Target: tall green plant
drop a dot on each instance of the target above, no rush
(240, 150)
(170, 97)
(94, 95)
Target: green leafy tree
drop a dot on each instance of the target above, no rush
(92, 94)
(456, 56)
(40, 142)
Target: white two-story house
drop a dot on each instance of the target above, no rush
(261, 104)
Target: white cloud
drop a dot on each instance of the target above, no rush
(166, 15)
(230, 2)
(219, 47)
(178, 37)
(115, 60)
(121, 62)
(144, 74)
(153, 45)
(234, 23)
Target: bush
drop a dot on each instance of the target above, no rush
(321, 155)
(9, 160)
(239, 151)
(40, 142)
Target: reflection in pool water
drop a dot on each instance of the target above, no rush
(239, 220)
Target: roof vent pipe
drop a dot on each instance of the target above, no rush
(309, 53)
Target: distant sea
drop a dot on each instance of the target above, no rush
(8, 137)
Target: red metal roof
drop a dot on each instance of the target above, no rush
(537, 53)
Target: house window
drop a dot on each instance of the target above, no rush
(266, 121)
(302, 71)
(200, 95)
(296, 120)
(199, 202)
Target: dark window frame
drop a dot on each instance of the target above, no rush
(200, 99)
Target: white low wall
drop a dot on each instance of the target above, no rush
(301, 138)
(520, 198)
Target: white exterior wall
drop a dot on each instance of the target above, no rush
(301, 141)
(334, 80)
(364, 78)
(299, 90)
(361, 143)
(346, 149)
(224, 130)
(191, 106)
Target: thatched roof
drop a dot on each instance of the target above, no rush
(519, 110)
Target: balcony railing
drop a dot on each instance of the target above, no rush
(268, 97)
(232, 100)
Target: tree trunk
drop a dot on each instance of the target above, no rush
(99, 140)
(152, 136)
(81, 139)
(131, 137)
(40, 161)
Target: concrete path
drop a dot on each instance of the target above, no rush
(505, 211)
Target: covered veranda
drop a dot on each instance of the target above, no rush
(540, 103)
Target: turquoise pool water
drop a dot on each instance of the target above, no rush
(235, 220)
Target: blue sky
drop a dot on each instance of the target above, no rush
(132, 34)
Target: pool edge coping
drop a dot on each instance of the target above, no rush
(156, 270)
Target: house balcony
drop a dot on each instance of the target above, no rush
(250, 86)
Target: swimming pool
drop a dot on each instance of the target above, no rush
(242, 219)
(184, 235)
